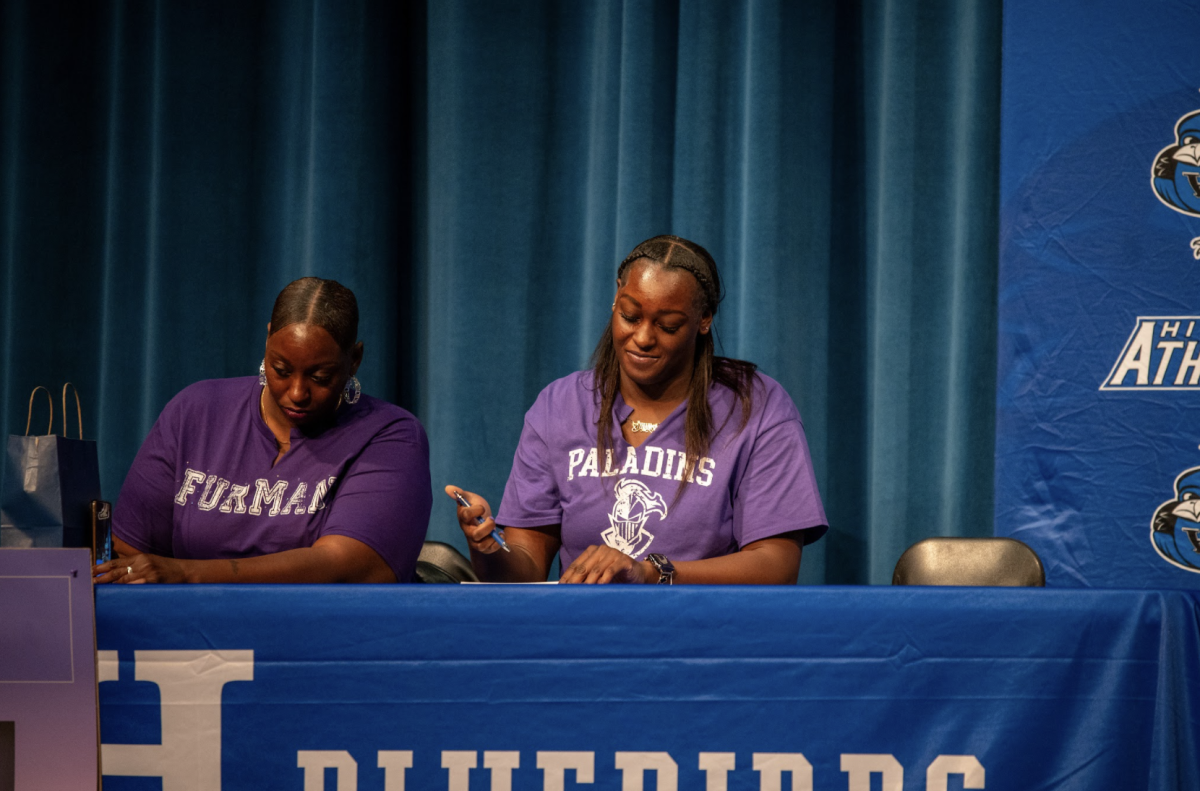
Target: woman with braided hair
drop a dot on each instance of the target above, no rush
(663, 463)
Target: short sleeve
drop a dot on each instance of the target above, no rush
(144, 514)
(384, 498)
(531, 496)
(778, 491)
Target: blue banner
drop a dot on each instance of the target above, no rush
(536, 687)
(1097, 462)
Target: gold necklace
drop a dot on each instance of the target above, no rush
(262, 410)
(639, 427)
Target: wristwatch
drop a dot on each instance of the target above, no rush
(666, 569)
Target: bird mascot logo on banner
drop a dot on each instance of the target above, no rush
(1176, 172)
(1175, 528)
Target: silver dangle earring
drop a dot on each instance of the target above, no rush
(262, 373)
(352, 390)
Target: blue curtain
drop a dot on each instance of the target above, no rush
(474, 170)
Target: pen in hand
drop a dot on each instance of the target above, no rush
(496, 534)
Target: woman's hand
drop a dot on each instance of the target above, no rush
(598, 565)
(531, 549)
(332, 558)
(479, 537)
(140, 569)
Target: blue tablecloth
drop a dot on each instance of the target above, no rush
(546, 687)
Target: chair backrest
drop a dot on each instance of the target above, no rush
(969, 561)
(440, 562)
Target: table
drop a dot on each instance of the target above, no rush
(463, 687)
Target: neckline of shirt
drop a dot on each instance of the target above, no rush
(622, 411)
(296, 435)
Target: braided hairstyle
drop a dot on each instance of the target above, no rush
(673, 252)
(323, 303)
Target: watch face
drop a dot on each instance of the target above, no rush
(666, 569)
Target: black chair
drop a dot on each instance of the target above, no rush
(969, 561)
(441, 563)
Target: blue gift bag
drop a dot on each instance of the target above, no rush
(49, 484)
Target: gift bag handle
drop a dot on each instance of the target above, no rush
(29, 415)
(78, 408)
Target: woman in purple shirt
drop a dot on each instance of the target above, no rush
(664, 463)
(293, 476)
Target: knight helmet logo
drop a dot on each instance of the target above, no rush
(1175, 528)
(635, 503)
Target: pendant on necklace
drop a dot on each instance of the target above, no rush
(638, 427)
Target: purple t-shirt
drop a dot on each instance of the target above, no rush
(202, 485)
(754, 484)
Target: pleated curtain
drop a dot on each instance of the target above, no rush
(475, 171)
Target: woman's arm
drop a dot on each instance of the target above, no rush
(143, 513)
(331, 558)
(531, 553)
(383, 500)
(531, 549)
(769, 561)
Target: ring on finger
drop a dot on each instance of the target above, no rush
(129, 569)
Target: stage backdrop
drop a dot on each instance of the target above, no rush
(475, 170)
(1098, 464)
